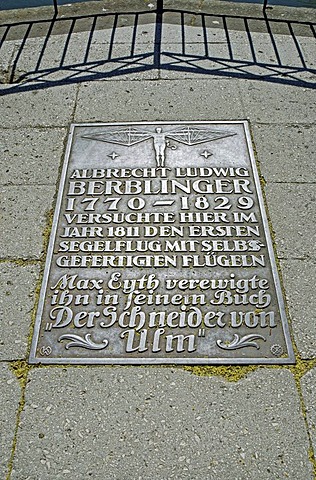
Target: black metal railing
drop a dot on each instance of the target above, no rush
(55, 3)
(235, 46)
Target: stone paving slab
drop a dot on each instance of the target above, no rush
(117, 61)
(308, 49)
(23, 220)
(298, 52)
(104, 26)
(292, 209)
(298, 277)
(82, 58)
(9, 402)
(51, 107)
(128, 423)
(77, 9)
(308, 384)
(28, 14)
(72, 47)
(129, 27)
(189, 100)
(252, 50)
(139, 423)
(7, 54)
(192, 65)
(286, 153)
(17, 285)
(262, 102)
(257, 41)
(31, 155)
(176, 67)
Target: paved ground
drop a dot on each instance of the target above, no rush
(207, 61)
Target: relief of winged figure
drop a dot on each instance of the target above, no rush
(129, 136)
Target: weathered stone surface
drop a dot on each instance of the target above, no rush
(7, 53)
(52, 107)
(193, 65)
(200, 52)
(118, 60)
(300, 294)
(17, 285)
(159, 100)
(308, 383)
(9, 402)
(146, 427)
(23, 219)
(28, 153)
(286, 153)
(280, 103)
(123, 423)
(292, 208)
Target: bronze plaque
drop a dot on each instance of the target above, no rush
(160, 251)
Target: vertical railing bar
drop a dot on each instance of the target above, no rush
(19, 53)
(158, 34)
(95, 17)
(67, 41)
(55, 8)
(250, 40)
(275, 48)
(227, 38)
(4, 36)
(112, 36)
(182, 33)
(48, 34)
(205, 35)
(297, 45)
(134, 34)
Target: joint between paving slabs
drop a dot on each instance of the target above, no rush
(233, 373)
(21, 369)
(21, 262)
(230, 373)
(73, 113)
(279, 182)
(263, 184)
(49, 217)
(294, 125)
(6, 72)
(311, 453)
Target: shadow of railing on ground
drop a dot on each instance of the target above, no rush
(66, 50)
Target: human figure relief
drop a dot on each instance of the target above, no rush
(187, 135)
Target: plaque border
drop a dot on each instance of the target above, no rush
(290, 359)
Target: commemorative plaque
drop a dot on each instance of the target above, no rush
(160, 251)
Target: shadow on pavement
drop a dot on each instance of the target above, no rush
(56, 51)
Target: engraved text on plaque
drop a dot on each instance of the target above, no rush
(160, 251)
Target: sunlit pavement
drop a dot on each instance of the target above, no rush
(139, 61)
